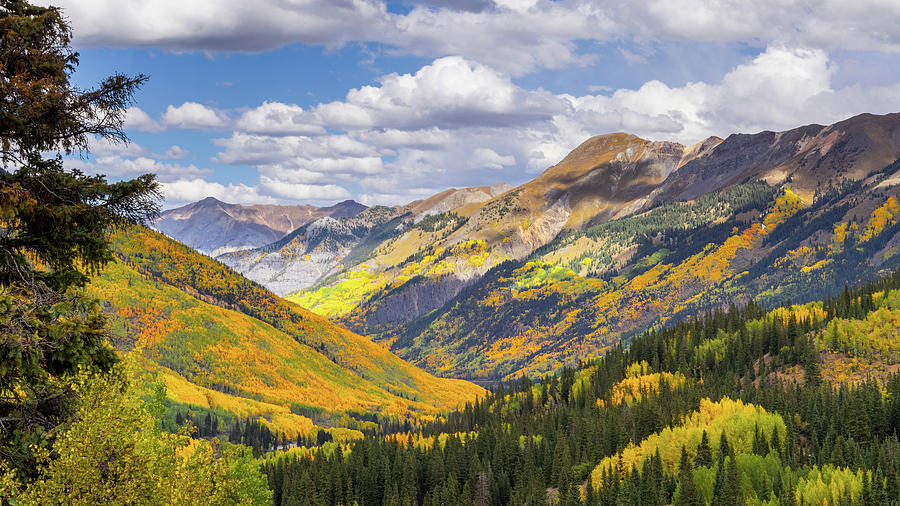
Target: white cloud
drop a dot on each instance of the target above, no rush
(303, 192)
(419, 135)
(391, 138)
(450, 92)
(517, 36)
(176, 153)
(137, 119)
(276, 118)
(415, 134)
(194, 116)
(242, 148)
(490, 159)
(186, 190)
(119, 167)
(779, 89)
(223, 25)
(105, 147)
(824, 24)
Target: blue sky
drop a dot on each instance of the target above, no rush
(285, 101)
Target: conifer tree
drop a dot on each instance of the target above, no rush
(687, 495)
(704, 452)
(55, 224)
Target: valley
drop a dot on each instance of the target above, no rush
(449, 253)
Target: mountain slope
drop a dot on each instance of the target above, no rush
(736, 407)
(205, 328)
(423, 267)
(821, 215)
(214, 227)
(583, 293)
(809, 157)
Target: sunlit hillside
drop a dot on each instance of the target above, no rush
(221, 341)
(580, 294)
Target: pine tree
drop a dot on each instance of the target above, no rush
(55, 223)
(687, 489)
(704, 452)
(732, 494)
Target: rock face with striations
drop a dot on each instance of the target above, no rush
(309, 253)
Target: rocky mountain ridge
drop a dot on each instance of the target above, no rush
(215, 227)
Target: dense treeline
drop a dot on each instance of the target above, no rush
(788, 437)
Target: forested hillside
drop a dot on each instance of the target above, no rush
(799, 404)
(225, 345)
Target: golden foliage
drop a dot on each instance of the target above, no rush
(736, 419)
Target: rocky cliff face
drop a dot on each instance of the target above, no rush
(214, 227)
(809, 157)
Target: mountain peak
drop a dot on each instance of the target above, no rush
(216, 227)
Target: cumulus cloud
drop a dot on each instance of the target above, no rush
(490, 159)
(186, 190)
(450, 92)
(176, 153)
(411, 137)
(194, 116)
(117, 166)
(182, 191)
(247, 149)
(137, 119)
(223, 25)
(825, 24)
(276, 118)
(781, 88)
(515, 36)
(303, 192)
(109, 147)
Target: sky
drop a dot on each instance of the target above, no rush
(318, 101)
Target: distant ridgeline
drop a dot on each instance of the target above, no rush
(795, 405)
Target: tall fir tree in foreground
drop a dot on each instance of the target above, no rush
(54, 225)
(77, 424)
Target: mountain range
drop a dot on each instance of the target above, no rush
(621, 235)
(214, 227)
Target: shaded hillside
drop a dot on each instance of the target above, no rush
(809, 158)
(220, 340)
(214, 227)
